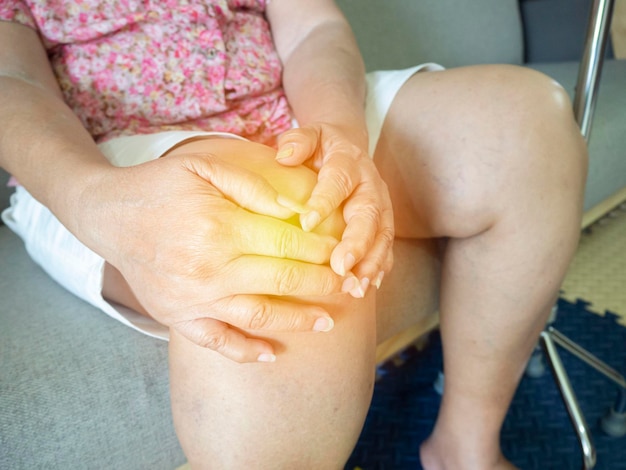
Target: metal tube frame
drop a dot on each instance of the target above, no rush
(584, 106)
(549, 339)
(586, 357)
(591, 63)
(571, 402)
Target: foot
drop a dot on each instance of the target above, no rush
(441, 457)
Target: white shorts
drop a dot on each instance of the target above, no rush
(80, 270)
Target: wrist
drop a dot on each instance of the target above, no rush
(84, 201)
(350, 130)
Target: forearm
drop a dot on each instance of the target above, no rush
(42, 142)
(324, 81)
(45, 146)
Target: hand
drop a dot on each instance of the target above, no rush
(347, 176)
(200, 243)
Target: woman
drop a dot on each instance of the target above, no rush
(484, 168)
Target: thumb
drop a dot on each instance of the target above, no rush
(295, 146)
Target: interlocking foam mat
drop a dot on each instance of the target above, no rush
(537, 433)
(598, 271)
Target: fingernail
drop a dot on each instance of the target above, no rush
(379, 279)
(284, 153)
(365, 283)
(323, 324)
(348, 263)
(309, 221)
(359, 291)
(350, 284)
(266, 357)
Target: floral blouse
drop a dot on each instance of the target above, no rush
(143, 66)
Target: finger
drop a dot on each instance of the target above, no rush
(388, 266)
(257, 312)
(378, 259)
(388, 240)
(336, 181)
(387, 235)
(295, 146)
(367, 240)
(244, 187)
(363, 221)
(273, 276)
(220, 337)
(267, 236)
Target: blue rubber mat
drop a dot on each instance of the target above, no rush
(537, 433)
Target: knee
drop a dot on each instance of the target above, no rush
(525, 85)
(537, 105)
(527, 148)
(554, 148)
(530, 111)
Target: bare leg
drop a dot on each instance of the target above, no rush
(304, 411)
(499, 165)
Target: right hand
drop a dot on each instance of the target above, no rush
(200, 243)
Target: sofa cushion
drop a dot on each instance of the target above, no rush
(555, 30)
(77, 390)
(607, 157)
(400, 33)
(5, 191)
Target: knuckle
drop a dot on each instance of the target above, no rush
(386, 238)
(357, 153)
(367, 217)
(255, 186)
(260, 316)
(288, 280)
(387, 235)
(287, 243)
(325, 201)
(339, 177)
(328, 285)
(215, 340)
(371, 213)
(295, 322)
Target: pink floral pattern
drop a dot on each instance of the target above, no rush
(143, 66)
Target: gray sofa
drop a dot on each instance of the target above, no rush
(79, 390)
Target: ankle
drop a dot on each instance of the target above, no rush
(439, 454)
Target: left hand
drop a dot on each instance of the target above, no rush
(348, 176)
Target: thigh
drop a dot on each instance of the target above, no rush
(307, 409)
